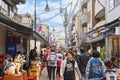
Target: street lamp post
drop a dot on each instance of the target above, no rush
(46, 9)
(35, 19)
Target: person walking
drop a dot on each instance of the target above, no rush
(82, 62)
(69, 68)
(52, 64)
(95, 67)
(26, 66)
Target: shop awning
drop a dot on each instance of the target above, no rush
(15, 26)
(102, 27)
(95, 39)
(22, 29)
(99, 24)
(38, 37)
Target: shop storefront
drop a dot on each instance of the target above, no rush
(14, 37)
(106, 36)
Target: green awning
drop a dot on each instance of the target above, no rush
(38, 37)
(95, 39)
(22, 29)
(17, 27)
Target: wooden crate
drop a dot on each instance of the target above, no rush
(24, 75)
(14, 77)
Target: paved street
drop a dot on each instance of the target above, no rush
(44, 75)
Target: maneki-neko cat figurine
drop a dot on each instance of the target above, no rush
(19, 61)
(9, 66)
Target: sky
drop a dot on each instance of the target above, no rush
(53, 17)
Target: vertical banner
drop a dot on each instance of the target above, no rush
(50, 40)
(11, 49)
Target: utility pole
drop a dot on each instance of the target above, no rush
(65, 24)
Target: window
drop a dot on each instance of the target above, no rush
(111, 4)
(117, 2)
(4, 7)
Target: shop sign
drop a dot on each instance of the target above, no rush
(11, 49)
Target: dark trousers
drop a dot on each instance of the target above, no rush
(58, 72)
(51, 72)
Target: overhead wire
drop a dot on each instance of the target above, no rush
(73, 11)
(70, 8)
(61, 10)
(46, 12)
(69, 4)
(54, 15)
(72, 14)
(51, 17)
(60, 31)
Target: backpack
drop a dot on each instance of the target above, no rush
(52, 59)
(96, 69)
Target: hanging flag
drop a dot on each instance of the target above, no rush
(38, 28)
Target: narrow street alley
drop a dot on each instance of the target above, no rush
(75, 39)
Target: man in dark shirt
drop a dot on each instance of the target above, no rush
(82, 62)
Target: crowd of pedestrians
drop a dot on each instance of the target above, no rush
(74, 64)
(70, 63)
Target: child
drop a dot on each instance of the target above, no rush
(38, 62)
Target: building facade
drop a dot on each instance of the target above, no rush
(26, 20)
(7, 11)
(90, 16)
(113, 16)
(45, 31)
(99, 21)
